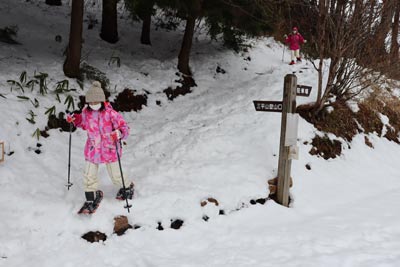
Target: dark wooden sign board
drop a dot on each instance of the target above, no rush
(303, 90)
(269, 106)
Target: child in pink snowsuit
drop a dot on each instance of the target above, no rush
(104, 127)
(295, 39)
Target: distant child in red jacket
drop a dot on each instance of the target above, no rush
(295, 40)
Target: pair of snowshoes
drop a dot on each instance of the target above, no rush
(93, 199)
(125, 194)
(298, 61)
(92, 203)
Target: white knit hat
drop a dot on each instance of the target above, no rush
(95, 93)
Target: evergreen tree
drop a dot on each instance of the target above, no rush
(239, 19)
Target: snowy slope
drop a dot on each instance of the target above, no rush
(210, 143)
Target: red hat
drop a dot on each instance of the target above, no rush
(295, 29)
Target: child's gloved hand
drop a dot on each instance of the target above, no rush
(70, 118)
(115, 135)
(285, 36)
(305, 41)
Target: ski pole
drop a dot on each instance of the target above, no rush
(69, 184)
(122, 176)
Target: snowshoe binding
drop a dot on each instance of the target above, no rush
(126, 194)
(90, 206)
(299, 59)
(292, 62)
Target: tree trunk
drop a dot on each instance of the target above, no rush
(358, 12)
(394, 49)
(109, 24)
(72, 61)
(384, 28)
(54, 2)
(371, 17)
(145, 37)
(195, 8)
(333, 67)
(184, 54)
(320, 77)
(321, 41)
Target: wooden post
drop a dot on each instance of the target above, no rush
(284, 165)
(1, 151)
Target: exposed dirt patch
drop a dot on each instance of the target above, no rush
(94, 74)
(209, 200)
(369, 119)
(7, 35)
(55, 122)
(368, 142)
(394, 71)
(340, 122)
(186, 81)
(128, 100)
(176, 224)
(345, 123)
(384, 104)
(325, 147)
(392, 134)
(393, 113)
(95, 236)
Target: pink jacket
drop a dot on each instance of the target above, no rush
(99, 146)
(294, 41)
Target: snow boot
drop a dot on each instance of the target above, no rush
(292, 62)
(92, 203)
(127, 193)
(299, 59)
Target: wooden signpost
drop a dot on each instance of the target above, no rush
(287, 147)
(1, 151)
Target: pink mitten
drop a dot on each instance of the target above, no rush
(115, 135)
(70, 118)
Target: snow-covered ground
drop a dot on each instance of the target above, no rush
(210, 143)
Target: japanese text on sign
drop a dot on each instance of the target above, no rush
(303, 90)
(272, 106)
